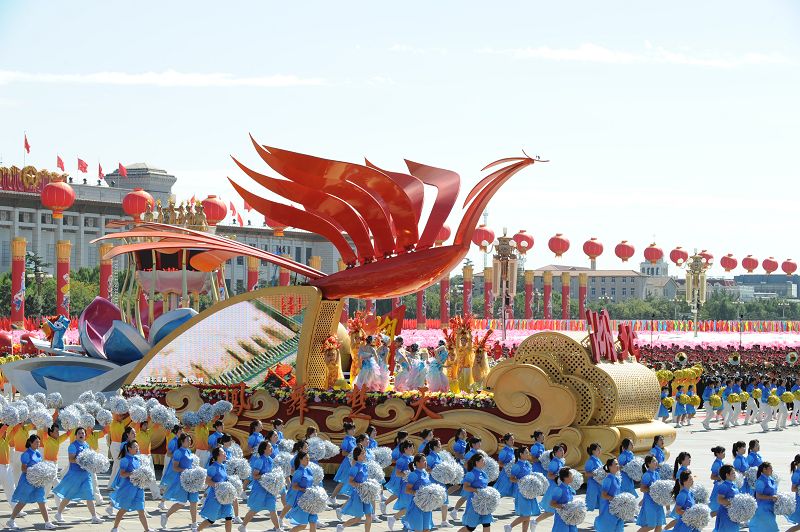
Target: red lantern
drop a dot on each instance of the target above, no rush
(277, 227)
(483, 237)
(524, 241)
(444, 234)
(593, 248)
(769, 265)
(789, 266)
(707, 257)
(135, 203)
(558, 245)
(215, 210)
(728, 262)
(750, 263)
(624, 251)
(58, 196)
(679, 256)
(653, 253)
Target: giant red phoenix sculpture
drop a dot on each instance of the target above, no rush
(379, 211)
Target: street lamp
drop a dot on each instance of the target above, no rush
(504, 266)
(783, 304)
(696, 268)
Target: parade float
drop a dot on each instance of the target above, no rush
(285, 351)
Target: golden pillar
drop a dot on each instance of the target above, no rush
(528, 294)
(565, 281)
(547, 280)
(583, 281)
(106, 268)
(19, 248)
(63, 251)
(253, 264)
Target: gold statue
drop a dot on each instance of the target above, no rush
(170, 214)
(358, 338)
(480, 364)
(200, 217)
(330, 353)
(148, 213)
(160, 212)
(462, 332)
(179, 218)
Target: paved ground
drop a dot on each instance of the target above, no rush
(777, 447)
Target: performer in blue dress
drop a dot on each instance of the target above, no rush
(691, 410)
(612, 486)
(740, 463)
(342, 475)
(651, 515)
(77, 483)
(556, 463)
(169, 473)
(766, 490)
(474, 480)
(255, 437)
(358, 509)
(302, 479)
(658, 449)
(212, 509)
(679, 412)
(684, 499)
(415, 519)
(592, 486)
(127, 497)
(754, 459)
(372, 434)
(625, 456)
(25, 493)
(395, 486)
(719, 457)
(505, 459)
(431, 453)
(537, 449)
(725, 493)
(426, 435)
(277, 426)
(260, 500)
(562, 496)
(524, 508)
(460, 444)
(182, 459)
(474, 445)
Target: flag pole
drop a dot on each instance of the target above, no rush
(24, 150)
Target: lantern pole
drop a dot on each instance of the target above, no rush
(504, 258)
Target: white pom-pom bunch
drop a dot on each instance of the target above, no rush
(485, 500)
(193, 480)
(285, 445)
(634, 469)
(697, 517)
(93, 462)
(101, 398)
(40, 398)
(742, 508)
(661, 492)
(220, 408)
(206, 413)
(42, 419)
(532, 486)
(447, 457)
(331, 449)
(92, 407)
(42, 474)
(151, 403)
(316, 449)
(143, 477)
(9, 415)
(624, 506)
(429, 498)
(87, 421)
(490, 467)
(369, 491)
(701, 493)
(23, 410)
(138, 413)
(314, 500)
(54, 401)
(86, 396)
(283, 461)
(225, 492)
(104, 417)
(161, 415)
(273, 482)
(239, 467)
(786, 503)
(666, 472)
(190, 419)
(383, 455)
(573, 513)
(375, 471)
(137, 400)
(236, 450)
(577, 480)
(238, 484)
(447, 473)
(317, 473)
(599, 475)
(70, 417)
(751, 475)
(118, 405)
(739, 480)
(544, 459)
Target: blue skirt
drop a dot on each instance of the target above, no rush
(394, 484)
(176, 493)
(415, 519)
(298, 516)
(679, 409)
(662, 411)
(593, 490)
(127, 497)
(795, 517)
(680, 526)
(628, 485)
(76, 486)
(473, 519)
(403, 500)
(723, 522)
(292, 496)
(650, 513)
(560, 526)
(355, 507)
(713, 503)
(764, 520)
(503, 484)
(26, 492)
(690, 409)
(605, 522)
(548, 496)
(342, 475)
(260, 499)
(169, 474)
(212, 510)
(526, 507)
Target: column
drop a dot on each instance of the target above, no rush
(253, 264)
(18, 248)
(547, 280)
(106, 267)
(63, 250)
(528, 294)
(565, 280)
(467, 297)
(488, 278)
(346, 302)
(583, 281)
(284, 275)
(422, 322)
(444, 300)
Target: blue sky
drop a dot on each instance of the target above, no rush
(672, 121)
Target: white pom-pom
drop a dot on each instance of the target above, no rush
(101, 398)
(273, 482)
(193, 480)
(236, 451)
(220, 408)
(445, 473)
(151, 403)
(41, 419)
(137, 413)
(369, 491)
(786, 504)
(697, 517)
(742, 508)
(532, 486)
(661, 492)
(23, 409)
(429, 498)
(624, 506)
(375, 471)
(190, 419)
(225, 492)
(137, 400)
(283, 461)
(599, 475)
(70, 418)
(314, 500)
(577, 480)
(485, 500)
(573, 513)
(54, 401)
(739, 480)
(285, 445)
(9, 416)
(331, 449)
(92, 407)
(40, 398)
(237, 484)
(317, 473)
(701, 493)
(86, 396)
(80, 407)
(195, 461)
(634, 469)
(383, 455)
(206, 413)
(666, 472)
(750, 475)
(161, 415)
(104, 417)
(544, 459)
(143, 477)
(316, 449)
(490, 467)
(118, 405)
(92, 461)
(42, 474)
(447, 457)
(87, 421)
(239, 467)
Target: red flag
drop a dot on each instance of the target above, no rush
(100, 174)
(233, 209)
(27, 146)
(60, 163)
(82, 166)
(239, 219)
(247, 207)
(123, 171)
(192, 201)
